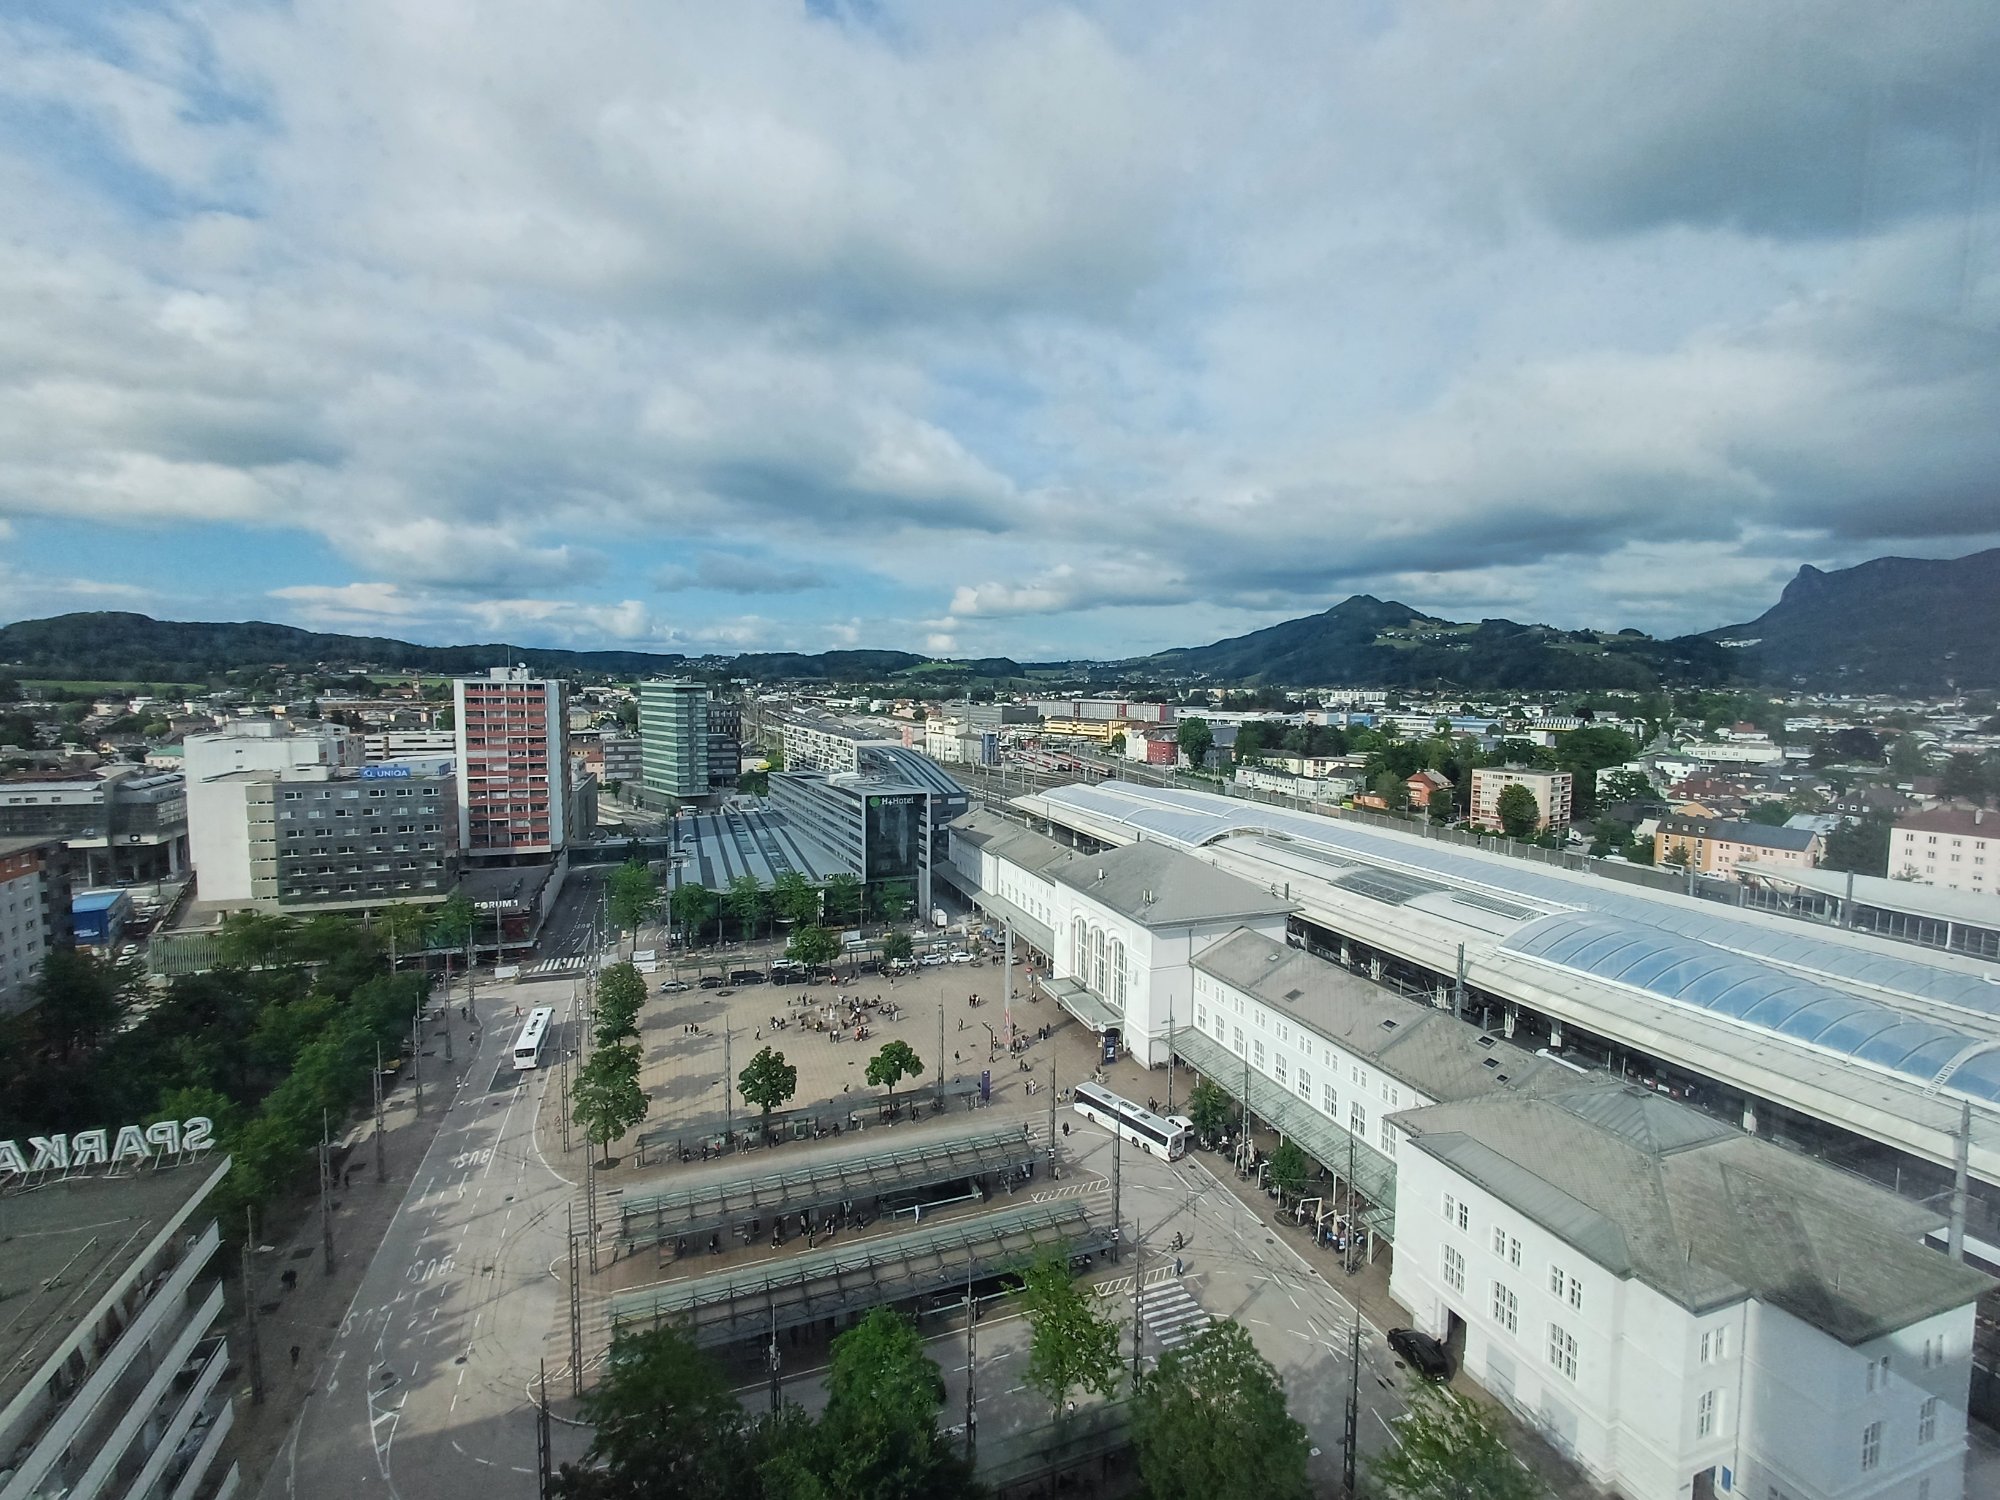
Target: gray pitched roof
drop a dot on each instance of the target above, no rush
(1702, 1214)
(1158, 886)
(1760, 835)
(1439, 1056)
(1006, 839)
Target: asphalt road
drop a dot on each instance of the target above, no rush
(425, 1391)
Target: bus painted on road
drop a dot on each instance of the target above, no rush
(1155, 1133)
(534, 1030)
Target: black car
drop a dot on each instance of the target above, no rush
(1421, 1352)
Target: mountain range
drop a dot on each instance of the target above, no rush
(1893, 624)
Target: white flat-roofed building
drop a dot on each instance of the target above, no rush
(1683, 1310)
(111, 1358)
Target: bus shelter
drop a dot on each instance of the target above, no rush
(989, 1158)
(758, 1301)
(717, 1135)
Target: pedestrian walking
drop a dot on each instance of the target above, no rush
(295, 1356)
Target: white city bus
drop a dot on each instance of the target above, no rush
(528, 1045)
(1155, 1133)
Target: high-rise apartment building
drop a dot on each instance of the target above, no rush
(513, 765)
(673, 743)
(34, 913)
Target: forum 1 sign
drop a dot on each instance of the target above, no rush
(106, 1148)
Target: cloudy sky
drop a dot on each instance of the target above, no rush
(1030, 328)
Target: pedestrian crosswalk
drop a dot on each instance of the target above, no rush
(575, 963)
(1074, 1189)
(1170, 1314)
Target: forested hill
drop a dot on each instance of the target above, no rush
(1895, 623)
(130, 647)
(1368, 642)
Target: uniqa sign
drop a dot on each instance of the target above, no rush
(106, 1148)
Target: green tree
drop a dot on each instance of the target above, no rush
(814, 946)
(895, 1062)
(1965, 777)
(1622, 785)
(621, 994)
(633, 896)
(608, 1098)
(1117, 745)
(1210, 1423)
(80, 1000)
(1070, 1346)
(694, 907)
(767, 1083)
(454, 921)
(1861, 846)
(1449, 1446)
(746, 903)
(843, 898)
(663, 1422)
(1392, 789)
(1908, 757)
(1290, 1169)
(879, 1438)
(1606, 834)
(897, 947)
(794, 898)
(403, 926)
(1771, 813)
(1211, 1109)
(1519, 811)
(256, 939)
(1195, 739)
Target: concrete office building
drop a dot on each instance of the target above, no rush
(329, 838)
(512, 750)
(1683, 1310)
(34, 913)
(1554, 795)
(124, 822)
(112, 1360)
(218, 767)
(396, 744)
(624, 761)
(878, 829)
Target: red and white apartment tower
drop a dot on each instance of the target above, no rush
(513, 765)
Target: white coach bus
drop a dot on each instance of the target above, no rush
(534, 1030)
(1155, 1133)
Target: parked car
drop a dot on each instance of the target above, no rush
(959, 958)
(931, 960)
(675, 987)
(1421, 1353)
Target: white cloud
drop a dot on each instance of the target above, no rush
(1075, 322)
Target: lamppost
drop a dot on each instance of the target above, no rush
(1961, 1138)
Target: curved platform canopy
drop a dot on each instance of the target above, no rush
(1688, 971)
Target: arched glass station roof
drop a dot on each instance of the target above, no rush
(1193, 819)
(1689, 972)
